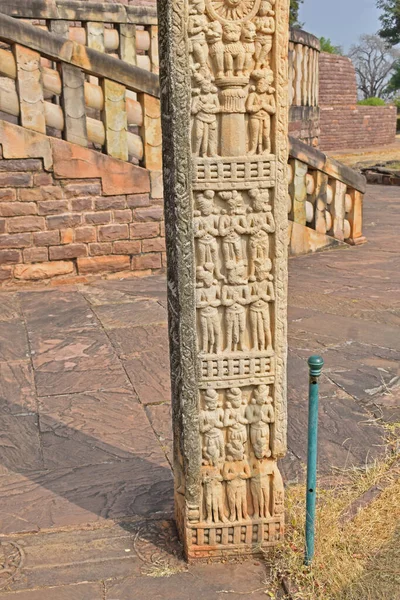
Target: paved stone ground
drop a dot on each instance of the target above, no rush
(85, 439)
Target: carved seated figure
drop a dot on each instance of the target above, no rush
(234, 52)
(211, 425)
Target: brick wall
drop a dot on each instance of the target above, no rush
(68, 227)
(343, 123)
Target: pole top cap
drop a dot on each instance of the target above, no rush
(315, 363)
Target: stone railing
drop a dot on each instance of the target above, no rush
(129, 33)
(62, 89)
(325, 197)
(304, 50)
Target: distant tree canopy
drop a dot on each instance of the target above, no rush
(390, 20)
(294, 13)
(327, 46)
(374, 61)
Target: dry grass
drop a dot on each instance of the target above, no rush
(359, 560)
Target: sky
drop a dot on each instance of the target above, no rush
(343, 21)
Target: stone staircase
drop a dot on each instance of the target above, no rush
(81, 167)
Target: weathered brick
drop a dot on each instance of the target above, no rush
(152, 213)
(63, 221)
(5, 273)
(8, 195)
(16, 180)
(153, 245)
(103, 264)
(126, 247)
(156, 184)
(43, 270)
(122, 216)
(146, 261)
(10, 257)
(83, 188)
(81, 204)
(162, 229)
(48, 192)
(17, 209)
(110, 202)
(42, 179)
(110, 233)
(46, 238)
(68, 251)
(85, 234)
(21, 240)
(100, 249)
(138, 200)
(100, 218)
(144, 230)
(66, 236)
(53, 207)
(22, 224)
(2, 225)
(23, 164)
(33, 255)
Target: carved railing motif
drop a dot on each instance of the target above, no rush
(129, 33)
(62, 89)
(304, 51)
(325, 196)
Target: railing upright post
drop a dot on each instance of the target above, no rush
(315, 364)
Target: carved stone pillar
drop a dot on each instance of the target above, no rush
(224, 93)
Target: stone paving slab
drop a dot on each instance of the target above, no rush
(85, 417)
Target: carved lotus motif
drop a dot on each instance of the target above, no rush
(233, 10)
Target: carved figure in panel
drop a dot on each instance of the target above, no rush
(235, 298)
(262, 293)
(234, 417)
(260, 414)
(211, 425)
(261, 223)
(216, 48)
(265, 25)
(235, 472)
(260, 486)
(249, 33)
(261, 106)
(232, 226)
(208, 300)
(197, 27)
(206, 229)
(278, 491)
(234, 51)
(205, 106)
(213, 494)
(232, 10)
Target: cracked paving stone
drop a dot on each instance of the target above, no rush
(141, 312)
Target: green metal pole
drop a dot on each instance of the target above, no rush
(315, 364)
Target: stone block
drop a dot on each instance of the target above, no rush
(8, 195)
(100, 249)
(152, 213)
(63, 221)
(42, 179)
(144, 230)
(82, 188)
(85, 234)
(33, 255)
(110, 233)
(67, 251)
(99, 218)
(24, 224)
(156, 184)
(153, 245)
(21, 240)
(17, 209)
(16, 180)
(67, 236)
(146, 261)
(43, 270)
(5, 273)
(103, 264)
(46, 238)
(18, 142)
(128, 247)
(10, 257)
(110, 203)
(53, 207)
(82, 204)
(138, 200)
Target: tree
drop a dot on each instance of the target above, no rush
(327, 46)
(294, 13)
(390, 20)
(374, 62)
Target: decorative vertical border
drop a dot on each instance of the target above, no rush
(175, 88)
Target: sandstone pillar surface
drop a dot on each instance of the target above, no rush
(223, 69)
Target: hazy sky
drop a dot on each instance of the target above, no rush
(343, 21)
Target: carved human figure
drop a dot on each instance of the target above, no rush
(205, 106)
(278, 491)
(265, 26)
(260, 224)
(197, 27)
(235, 297)
(260, 485)
(213, 494)
(262, 293)
(216, 48)
(234, 417)
(232, 226)
(234, 52)
(260, 414)
(206, 230)
(208, 300)
(211, 425)
(235, 472)
(249, 33)
(261, 106)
